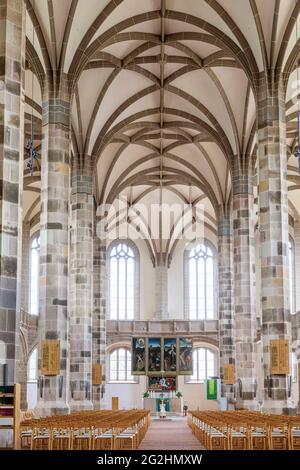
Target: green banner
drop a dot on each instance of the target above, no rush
(211, 389)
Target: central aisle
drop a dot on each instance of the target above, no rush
(173, 434)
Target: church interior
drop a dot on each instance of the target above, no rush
(150, 224)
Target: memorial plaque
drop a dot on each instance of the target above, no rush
(229, 374)
(279, 357)
(50, 364)
(97, 374)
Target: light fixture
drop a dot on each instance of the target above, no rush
(30, 142)
(297, 148)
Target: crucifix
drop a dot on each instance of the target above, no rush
(30, 142)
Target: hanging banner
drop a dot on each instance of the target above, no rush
(229, 374)
(138, 356)
(97, 374)
(154, 355)
(279, 357)
(211, 389)
(170, 355)
(50, 362)
(185, 356)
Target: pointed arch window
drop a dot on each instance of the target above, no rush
(201, 295)
(33, 366)
(292, 275)
(34, 276)
(123, 282)
(120, 366)
(204, 365)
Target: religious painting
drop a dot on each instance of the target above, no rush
(185, 356)
(162, 384)
(170, 355)
(154, 355)
(138, 356)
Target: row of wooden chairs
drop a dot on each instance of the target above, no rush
(245, 430)
(88, 430)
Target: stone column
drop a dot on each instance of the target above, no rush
(297, 316)
(226, 319)
(23, 382)
(99, 310)
(80, 294)
(25, 266)
(12, 74)
(55, 183)
(244, 288)
(161, 291)
(274, 237)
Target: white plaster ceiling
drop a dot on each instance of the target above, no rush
(163, 89)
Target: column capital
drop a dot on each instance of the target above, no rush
(224, 224)
(242, 180)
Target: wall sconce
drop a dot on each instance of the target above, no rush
(41, 386)
(289, 385)
(270, 386)
(87, 390)
(72, 388)
(60, 385)
(4, 374)
(240, 386)
(255, 388)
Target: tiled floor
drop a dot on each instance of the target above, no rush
(173, 434)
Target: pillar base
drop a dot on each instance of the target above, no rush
(251, 405)
(278, 407)
(52, 408)
(81, 405)
(24, 405)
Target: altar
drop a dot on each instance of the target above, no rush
(172, 405)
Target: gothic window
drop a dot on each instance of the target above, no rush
(292, 275)
(120, 366)
(201, 283)
(33, 366)
(34, 276)
(204, 365)
(123, 282)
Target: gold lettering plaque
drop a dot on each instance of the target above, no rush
(229, 374)
(279, 357)
(97, 374)
(50, 357)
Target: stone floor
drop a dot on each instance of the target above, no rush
(173, 434)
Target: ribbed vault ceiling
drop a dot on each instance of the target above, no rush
(162, 93)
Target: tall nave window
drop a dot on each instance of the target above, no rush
(201, 303)
(122, 282)
(34, 276)
(33, 366)
(120, 366)
(292, 275)
(204, 365)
